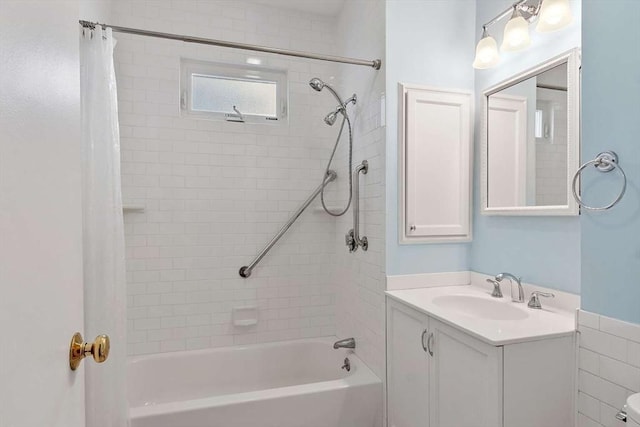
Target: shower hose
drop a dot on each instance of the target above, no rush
(346, 120)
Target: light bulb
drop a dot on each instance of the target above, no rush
(516, 33)
(486, 52)
(554, 15)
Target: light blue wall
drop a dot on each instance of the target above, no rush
(611, 121)
(429, 43)
(543, 250)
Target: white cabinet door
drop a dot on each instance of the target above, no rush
(407, 367)
(41, 302)
(465, 378)
(435, 165)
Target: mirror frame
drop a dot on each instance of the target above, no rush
(572, 59)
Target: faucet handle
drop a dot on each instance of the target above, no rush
(534, 302)
(497, 292)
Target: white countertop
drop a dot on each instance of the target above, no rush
(549, 322)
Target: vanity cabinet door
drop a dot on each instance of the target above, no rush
(465, 380)
(407, 367)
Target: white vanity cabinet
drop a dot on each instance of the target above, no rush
(439, 376)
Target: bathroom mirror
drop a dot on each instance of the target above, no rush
(530, 146)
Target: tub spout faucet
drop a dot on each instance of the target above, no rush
(517, 280)
(345, 343)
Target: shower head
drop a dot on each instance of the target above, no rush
(316, 84)
(330, 118)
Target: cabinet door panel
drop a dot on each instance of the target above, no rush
(435, 165)
(407, 367)
(465, 380)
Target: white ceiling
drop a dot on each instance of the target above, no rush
(319, 7)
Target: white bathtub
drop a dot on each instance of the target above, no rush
(287, 384)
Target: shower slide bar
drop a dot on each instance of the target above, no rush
(245, 271)
(375, 64)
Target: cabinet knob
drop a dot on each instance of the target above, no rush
(412, 228)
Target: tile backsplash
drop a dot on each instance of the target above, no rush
(609, 368)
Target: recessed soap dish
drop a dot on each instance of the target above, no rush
(245, 315)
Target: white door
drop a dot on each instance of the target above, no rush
(465, 379)
(41, 300)
(507, 158)
(407, 367)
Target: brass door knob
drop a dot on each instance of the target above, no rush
(79, 349)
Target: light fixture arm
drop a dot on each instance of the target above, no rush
(530, 12)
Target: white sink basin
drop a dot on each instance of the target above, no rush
(496, 321)
(472, 306)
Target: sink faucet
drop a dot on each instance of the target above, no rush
(512, 278)
(345, 343)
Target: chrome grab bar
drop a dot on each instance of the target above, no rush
(245, 271)
(353, 239)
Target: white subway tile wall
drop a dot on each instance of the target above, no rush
(214, 193)
(360, 277)
(609, 368)
(551, 156)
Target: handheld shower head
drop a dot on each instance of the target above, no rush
(316, 84)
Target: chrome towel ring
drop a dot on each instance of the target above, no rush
(604, 162)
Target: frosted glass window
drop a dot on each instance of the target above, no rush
(219, 95)
(210, 90)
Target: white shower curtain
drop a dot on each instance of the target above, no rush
(103, 238)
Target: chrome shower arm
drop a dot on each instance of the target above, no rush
(245, 271)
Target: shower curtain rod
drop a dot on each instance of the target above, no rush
(376, 63)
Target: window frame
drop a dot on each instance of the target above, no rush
(189, 67)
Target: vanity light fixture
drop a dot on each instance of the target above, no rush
(516, 33)
(552, 15)
(487, 54)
